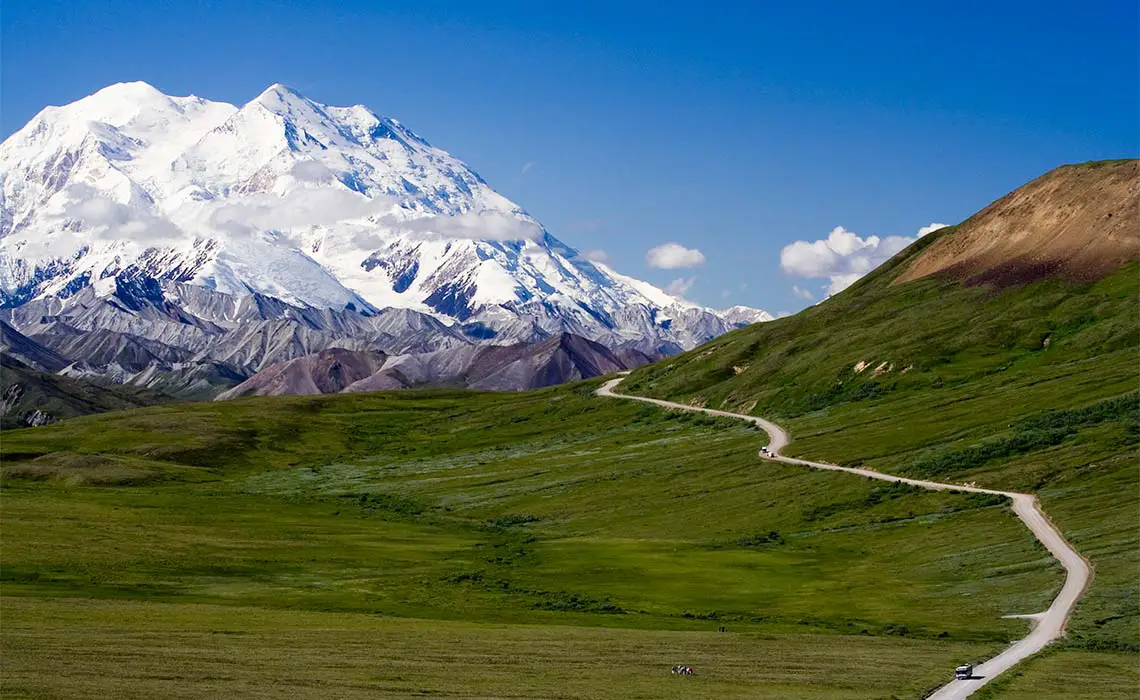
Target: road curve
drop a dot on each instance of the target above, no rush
(1050, 624)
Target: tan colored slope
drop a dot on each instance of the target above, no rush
(1080, 222)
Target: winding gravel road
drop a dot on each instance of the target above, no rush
(1049, 625)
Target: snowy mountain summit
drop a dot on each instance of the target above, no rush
(294, 204)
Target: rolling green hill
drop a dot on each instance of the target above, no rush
(1026, 382)
(543, 519)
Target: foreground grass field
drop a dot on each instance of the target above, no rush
(1061, 673)
(128, 649)
(617, 538)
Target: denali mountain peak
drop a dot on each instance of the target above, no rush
(309, 210)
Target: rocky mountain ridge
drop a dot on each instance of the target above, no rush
(518, 367)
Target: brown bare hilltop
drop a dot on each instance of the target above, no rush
(1079, 222)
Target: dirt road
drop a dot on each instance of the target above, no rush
(1049, 625)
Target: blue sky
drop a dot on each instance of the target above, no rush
(623, 126)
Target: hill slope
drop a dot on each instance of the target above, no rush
(1080, 222)
(17, 345)
(29, 397)
(551, 507)
(964, 373)
(911, 324)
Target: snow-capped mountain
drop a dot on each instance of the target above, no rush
(317, 207)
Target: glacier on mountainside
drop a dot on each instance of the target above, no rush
(324, 209)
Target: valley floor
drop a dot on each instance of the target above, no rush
(131, 649)
(547, 544)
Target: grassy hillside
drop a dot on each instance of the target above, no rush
(604, 534)
(1032, 387)
(877, 341)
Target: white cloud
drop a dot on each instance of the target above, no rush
(490, 226)
(109, 220)
(725, 293)
(596, 256)
(291, 214)
(843, 257)
(526, 168)
(311, 171)
(674, 256)
(680, 286)
(299, 209)
(929, 228)
(801, 293)
(308, 207)
(98, 211)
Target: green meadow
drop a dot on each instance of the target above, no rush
(457, 544)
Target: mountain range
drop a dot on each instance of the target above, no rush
(177, 241)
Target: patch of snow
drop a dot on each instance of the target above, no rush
(315, 205)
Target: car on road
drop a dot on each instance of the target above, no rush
(964, 672)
